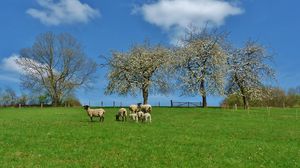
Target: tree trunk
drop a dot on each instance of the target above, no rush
(245, 101)
(55, 101)
(204, 102)
(203, 93)
(145, 95)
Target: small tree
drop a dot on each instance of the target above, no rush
(139, 70)
(55, 64)
(71, 100)
(248, 69)
(202, 63)
(23, 99)
(293, 97)
(9, 97)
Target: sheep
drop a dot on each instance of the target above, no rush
(133, 108)
(146, 108)
(140, 115)
(95, 113)
(134, 117)
(144, 116)
(121, 113)
(147, 117)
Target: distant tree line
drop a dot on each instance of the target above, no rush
(271, 97)
(9, 98)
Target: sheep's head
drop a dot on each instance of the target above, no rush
(86, 107)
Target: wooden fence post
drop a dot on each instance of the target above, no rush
(101, 103)
(171, 103)
(114, 103)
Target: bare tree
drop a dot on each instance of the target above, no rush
(202, 63)
(248, 70)
(142, 69)
(55, 64)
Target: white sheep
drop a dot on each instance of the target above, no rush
(144, 116)
(146, 108)
(122, 113)
(134, 117)
(95, 113)
(140, 115)
(147, 117)
(133, 108)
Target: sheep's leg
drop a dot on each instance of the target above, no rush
(91, 119)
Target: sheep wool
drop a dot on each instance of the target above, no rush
(146, 108)
(133, 108)
(122, 113)
(134, 117)
(147, 117)
(95, 113)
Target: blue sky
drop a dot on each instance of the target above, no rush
(105, 25)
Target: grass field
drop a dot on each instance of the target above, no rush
(177, 137)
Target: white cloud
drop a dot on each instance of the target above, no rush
(63, 12)
(181, 13)
(9, 69)
(176, 15)
(9, 64)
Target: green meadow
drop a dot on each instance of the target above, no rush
(177, 137)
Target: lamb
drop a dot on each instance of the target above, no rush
(95, 113)
(147, 117)
(140, 115)
(133, 108)
(146, 108)
(144, 116)
(134, 116)
(122, 113)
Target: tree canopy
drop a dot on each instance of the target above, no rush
(139, 70)
(201, 63)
